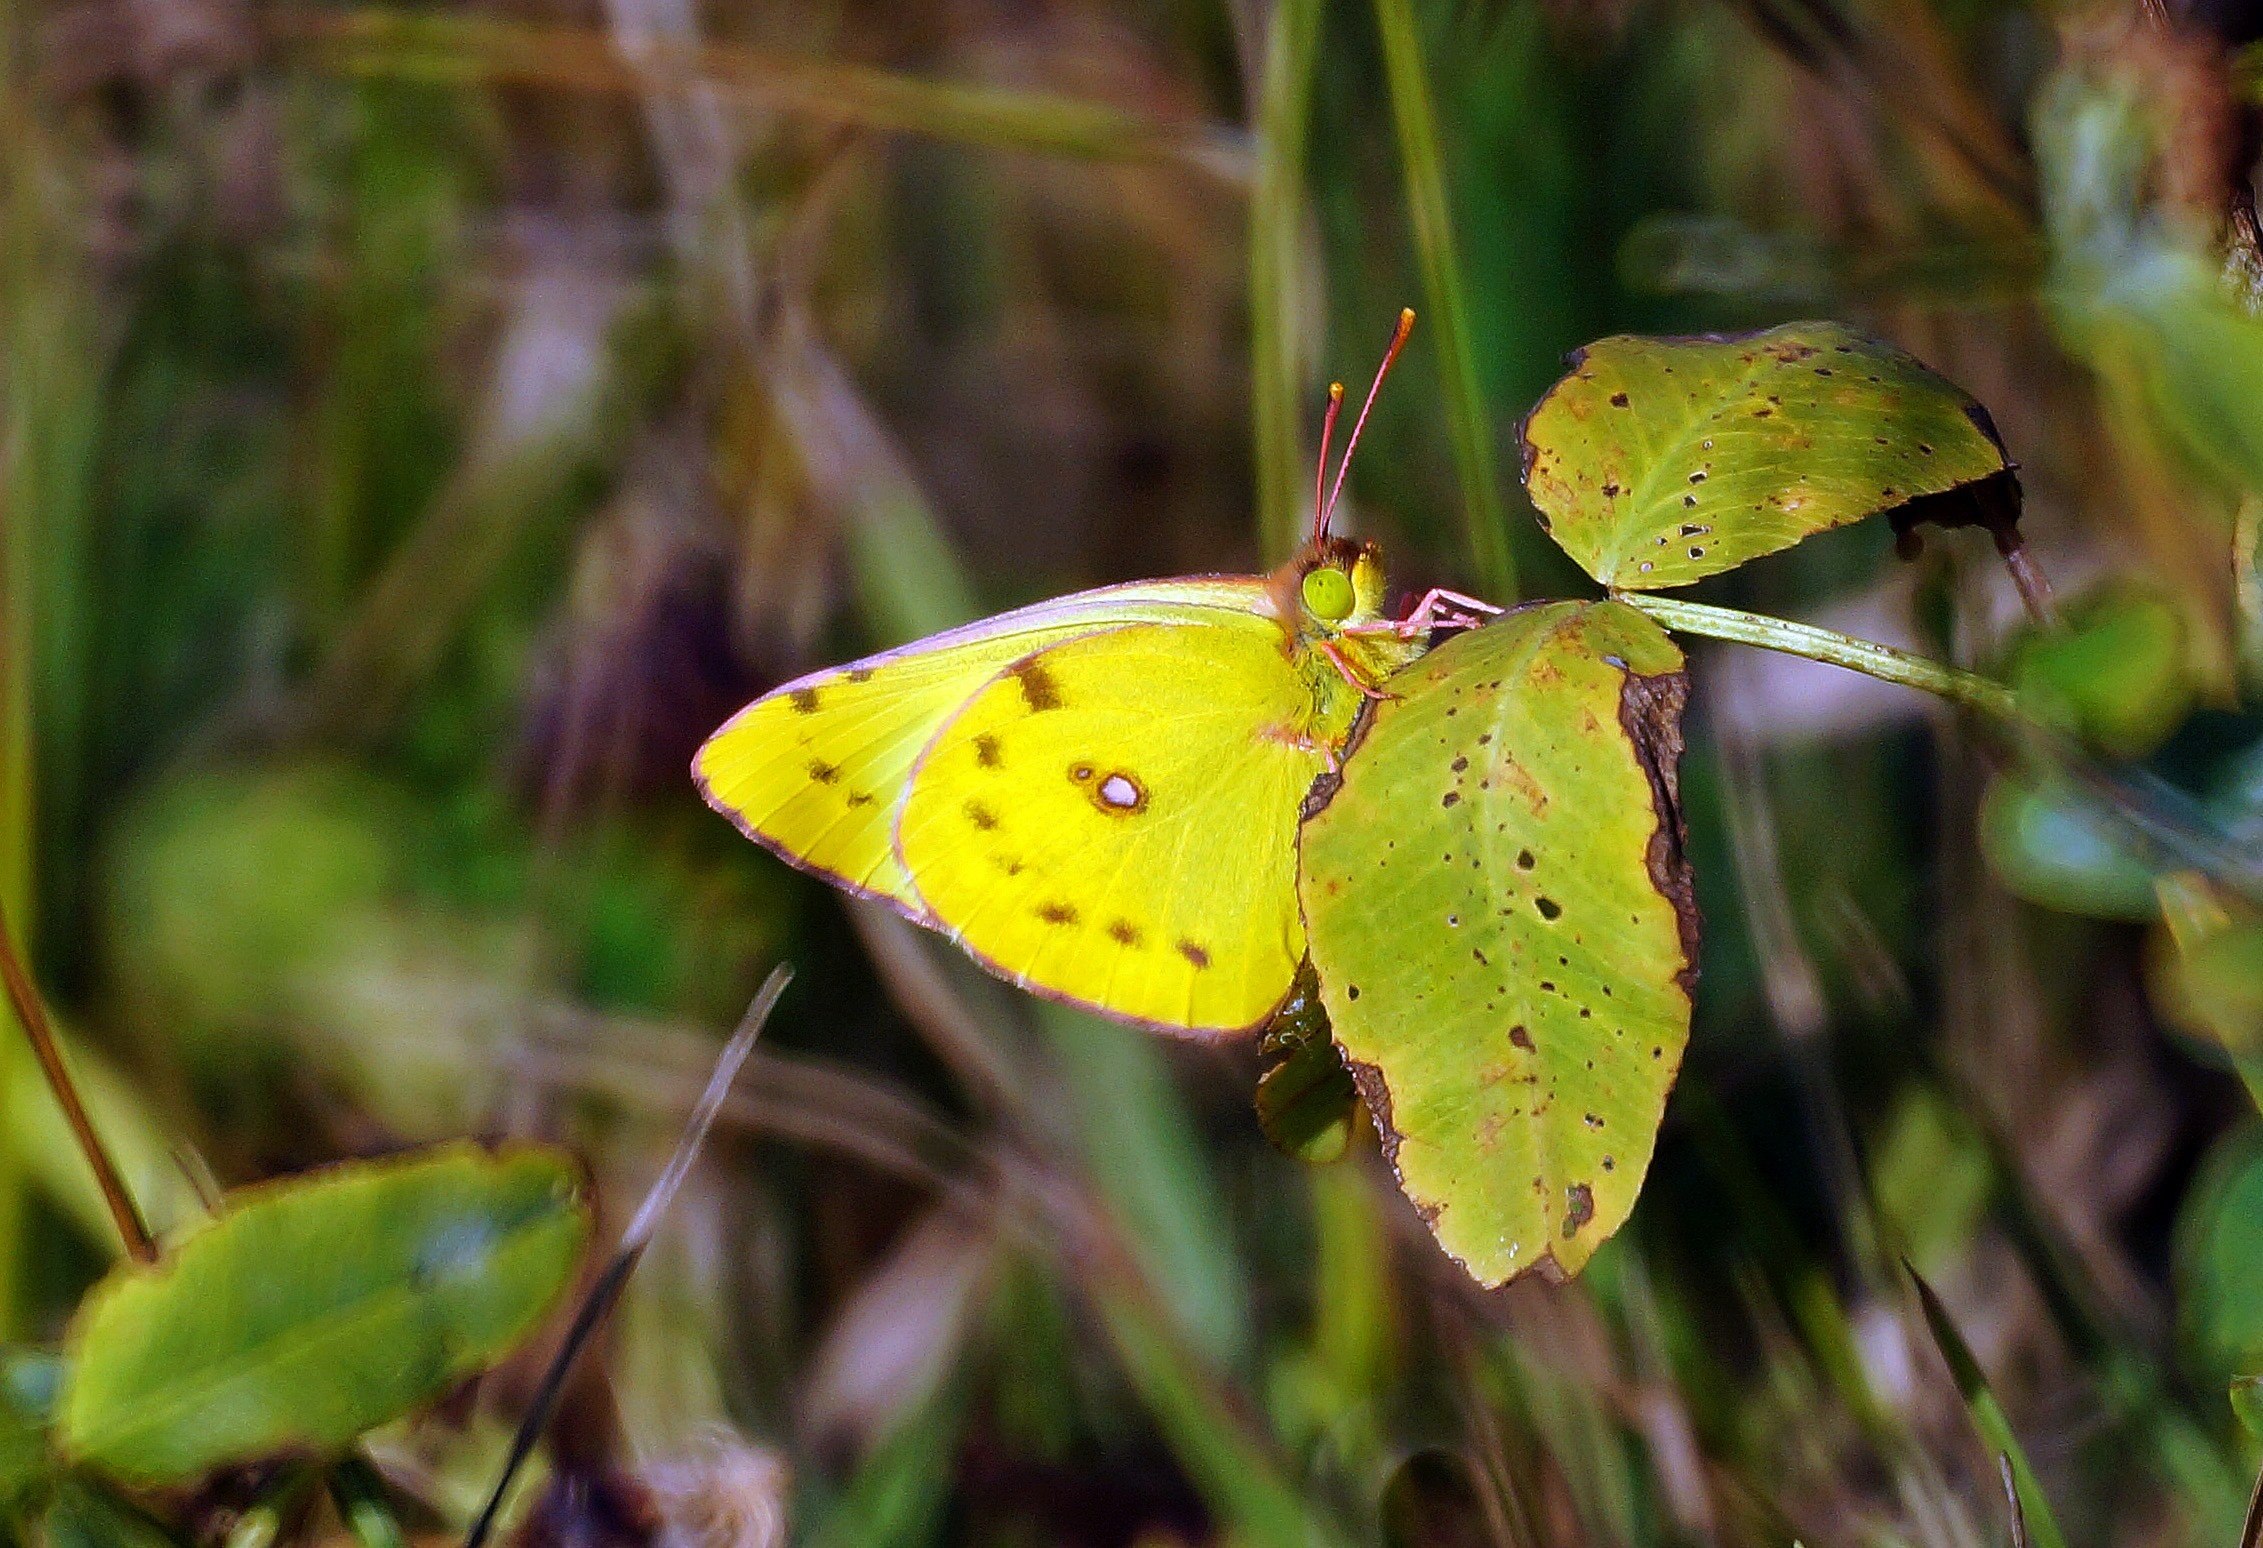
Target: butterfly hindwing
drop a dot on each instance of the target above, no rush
(816, 770)
(1112, 821)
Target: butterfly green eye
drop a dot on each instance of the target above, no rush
(1328, 594)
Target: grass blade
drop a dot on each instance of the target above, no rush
(1469, 424)
(381, 42)
(2032, 1511)
(615, 1278)
(1280, 278)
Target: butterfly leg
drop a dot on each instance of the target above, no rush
(1438, 609)
(1442, 609)
(1350, 673)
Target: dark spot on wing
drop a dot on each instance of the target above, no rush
(859, 674)
(1038, 690)
(804, 700)
(1194, 953)
(1123, 932)
(986, 750)
(981, 816)
(860, 798)
(824, 773)
(1057, 913)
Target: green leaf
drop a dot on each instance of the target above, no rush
(2210, 982)
(1500, 914)
(1989, 1419)
(81, 1515)
(2219, 1261)
(1306, 1099)
(28, 1383)
(2056, 845)
(2115, 676)
(316, 1309)
(1658, 462)
(2247, 1402)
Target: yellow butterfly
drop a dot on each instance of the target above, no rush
(1097, 796)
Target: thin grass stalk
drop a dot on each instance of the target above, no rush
(1469, 421)
(378, 42)
(1280, 276)
(18, 309)
(31, 1015)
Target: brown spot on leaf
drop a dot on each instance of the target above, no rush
(1579, 1208)
(1522, 1038)
(1650, 712)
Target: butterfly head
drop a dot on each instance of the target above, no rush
(1338, 583)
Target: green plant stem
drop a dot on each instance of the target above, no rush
(1469, 423)
(1831, 648)
(31, 1015)
(1279, 281)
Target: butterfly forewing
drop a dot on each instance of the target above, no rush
(1112, 821)
(816, 770)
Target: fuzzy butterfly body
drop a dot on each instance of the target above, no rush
(1098, 796)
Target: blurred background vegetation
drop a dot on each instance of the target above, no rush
(420, 426)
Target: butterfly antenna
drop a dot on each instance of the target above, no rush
(1398, 342)
(1320, 473)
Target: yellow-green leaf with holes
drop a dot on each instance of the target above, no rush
(316, 1309)
(1657, 462)
(1500, 915)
